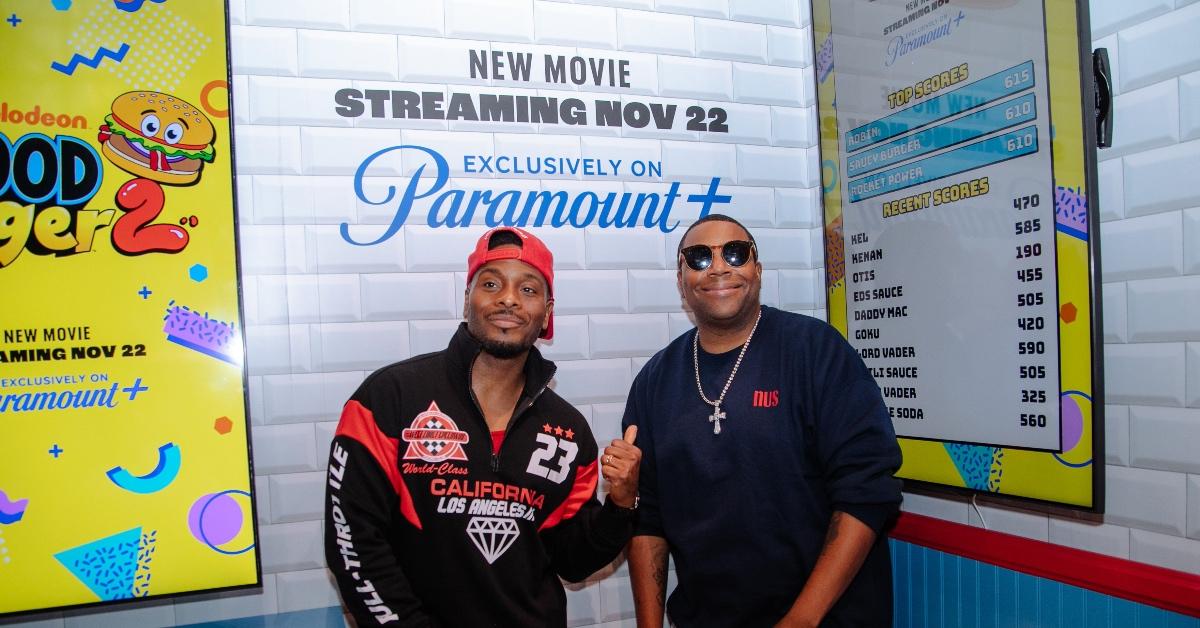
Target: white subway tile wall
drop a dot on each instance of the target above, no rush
(1017, 520)
(1156, 107)
(1112, 194)
(1090, 536)
(1193, 516)
(291, 546)
(1115, 311)
(1142, 247)
(227, 606)
(1165, 550)
(322, 313)
(646, 31)
(303, 590)
(152, 614)
(942, 507)
(1160, 48)
(1146, 499)
(1116, 435)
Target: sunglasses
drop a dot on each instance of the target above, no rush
(735, 253)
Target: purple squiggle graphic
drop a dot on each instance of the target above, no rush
(199, 332)
(825, 59)
(1071, 212)
(11, 511)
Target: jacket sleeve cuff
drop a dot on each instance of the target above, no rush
(612, 510)
(874, 516)
(616, 522)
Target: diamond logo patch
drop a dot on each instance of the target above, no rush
(492, 535)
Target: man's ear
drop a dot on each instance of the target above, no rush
(549, 311)
(466, 301)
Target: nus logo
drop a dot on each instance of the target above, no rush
(766, 398)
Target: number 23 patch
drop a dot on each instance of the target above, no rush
(554, 455)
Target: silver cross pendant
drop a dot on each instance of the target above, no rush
(716, 418)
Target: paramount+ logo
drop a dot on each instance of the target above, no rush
(428, 190)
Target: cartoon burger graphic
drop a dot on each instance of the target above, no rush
(157, 136)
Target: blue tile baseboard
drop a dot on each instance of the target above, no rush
(935, 589)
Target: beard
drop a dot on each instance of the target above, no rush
(504, 350)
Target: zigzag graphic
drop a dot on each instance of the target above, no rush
(94, 62)
(133, 6)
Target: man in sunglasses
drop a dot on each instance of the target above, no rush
(768, 459)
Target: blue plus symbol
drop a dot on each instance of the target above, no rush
(145, 292)
(136, 388)
(707, 199)
(55, 450)
(14, 20)
(960, 18)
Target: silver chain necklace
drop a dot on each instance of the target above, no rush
(717, 416)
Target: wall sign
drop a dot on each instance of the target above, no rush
(126, 471)
(956, 176)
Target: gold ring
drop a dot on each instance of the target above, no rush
(608, 459)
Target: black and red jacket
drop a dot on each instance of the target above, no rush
(426, 526)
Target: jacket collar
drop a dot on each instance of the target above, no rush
(464, 348)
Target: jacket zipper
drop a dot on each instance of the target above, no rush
(512, 421)
(508, 428)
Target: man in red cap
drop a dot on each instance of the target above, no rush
(460, 487)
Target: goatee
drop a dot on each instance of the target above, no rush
(503, 350)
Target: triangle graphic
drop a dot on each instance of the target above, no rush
(107, 565)
(492, 535)
(976, 465)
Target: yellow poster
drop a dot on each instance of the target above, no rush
(125, 470)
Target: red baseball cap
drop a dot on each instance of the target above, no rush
(532, 251)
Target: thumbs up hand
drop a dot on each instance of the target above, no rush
(619, 464)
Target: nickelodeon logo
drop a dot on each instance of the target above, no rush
(37, 117)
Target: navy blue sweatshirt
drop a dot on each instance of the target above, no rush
(746, 511)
